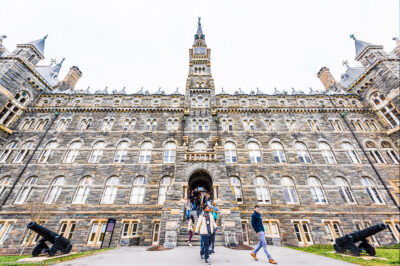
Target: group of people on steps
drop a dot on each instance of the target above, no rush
(207, 226)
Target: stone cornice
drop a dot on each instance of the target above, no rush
(74, 109)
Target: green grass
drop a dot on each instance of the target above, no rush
(391, 254)
(12, 260)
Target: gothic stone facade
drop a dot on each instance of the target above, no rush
(320, 164)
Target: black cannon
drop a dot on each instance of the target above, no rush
(347, 243)
(60, 244)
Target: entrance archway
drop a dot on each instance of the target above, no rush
(200, 182)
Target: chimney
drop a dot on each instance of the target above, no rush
(326, 77)
(72, 77)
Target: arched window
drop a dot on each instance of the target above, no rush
(200, 146)
(254, 152)
(62, 124)
(138, 190)
(23, 152)
(230, 152)
(373, 151)
(351, 153)
(82, 192)
(393, 155)
(302, 152)
(54, 190)
(316, 190)
(47, 152)
(6, 153)
(4, 182)
(169, 152)
(237, 189)
(72, 152)
(110, 190)
(162, 192)
(344, 190)
(262, 191)
(371, 190)
(41, 124)
(388, 111)
(377, 98)
(278, 152)
(327, 153)
(289, 190)
(145, 152)
(12, 109)
(27, 124)
(97, 152)
(26, 190)
(120, 154)
(129, 125)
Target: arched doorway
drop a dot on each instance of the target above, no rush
(200, 182)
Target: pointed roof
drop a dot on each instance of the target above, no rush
(38, 45)
(57, 67)
(199, 34)
(361, 46)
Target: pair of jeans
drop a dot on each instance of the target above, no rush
(212, 242)
(190, 236)
(206, 245)
(187, 214)
(262, 244)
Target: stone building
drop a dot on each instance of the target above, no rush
(320, 164)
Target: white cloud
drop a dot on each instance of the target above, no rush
(257, 43)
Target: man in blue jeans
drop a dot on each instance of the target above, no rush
(258, 226)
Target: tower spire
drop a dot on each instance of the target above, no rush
(199, 34)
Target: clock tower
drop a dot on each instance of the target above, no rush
(200, 91)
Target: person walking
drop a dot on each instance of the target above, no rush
(206, 226)
(190, 229)
(215, 217)
(188, 209)
(258, 226)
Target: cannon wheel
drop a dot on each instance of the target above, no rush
(338, 249)
(39, 248)
(367, 247)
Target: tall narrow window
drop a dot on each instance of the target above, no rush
(47, 152)
(107, 124)
(254, 152)
(169, 152)
(41, 124)
(26, 124)
(351, 153)
(373, 151)
(4, 183)
(314, 126)
(302, 152)
(162, 192)
(97, 152)
(97, 232)
(67, 229)
(289, 191)
(270, 125)
(393, 155)
(230, 152)
(122, 151)
(82, 192)
(333, 230)
(344, 190)
(13, 108)
(129, 125)
(138, 190)
(278, 152)
(5, 229)
(156, 233)
(292, 125)
(110, 190)
(316, 190)
(62, 124)
(262, 191)
(303, 233)
(371, 190)
(145, 152)
(7, 151)
(26, 190)
(327, 153)
(72, 152)
(237, 189)
(55, 190)
(23, 152)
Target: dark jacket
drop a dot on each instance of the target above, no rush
(256, 222)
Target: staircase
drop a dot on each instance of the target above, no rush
(184, 234)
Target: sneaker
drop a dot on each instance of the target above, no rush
(190, 244)
(202, 257)
(272, 261)
(208, 262)
(254, 256)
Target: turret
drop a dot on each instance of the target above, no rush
(32, 52)
(367, 53)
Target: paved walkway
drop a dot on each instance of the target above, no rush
(190, 256)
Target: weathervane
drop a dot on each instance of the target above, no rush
(345, 63)
(352, 36)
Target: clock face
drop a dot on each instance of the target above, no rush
(200, 50)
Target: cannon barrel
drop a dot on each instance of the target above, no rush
(42, 231)
(362, 234)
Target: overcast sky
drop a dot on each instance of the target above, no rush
(263, 43)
